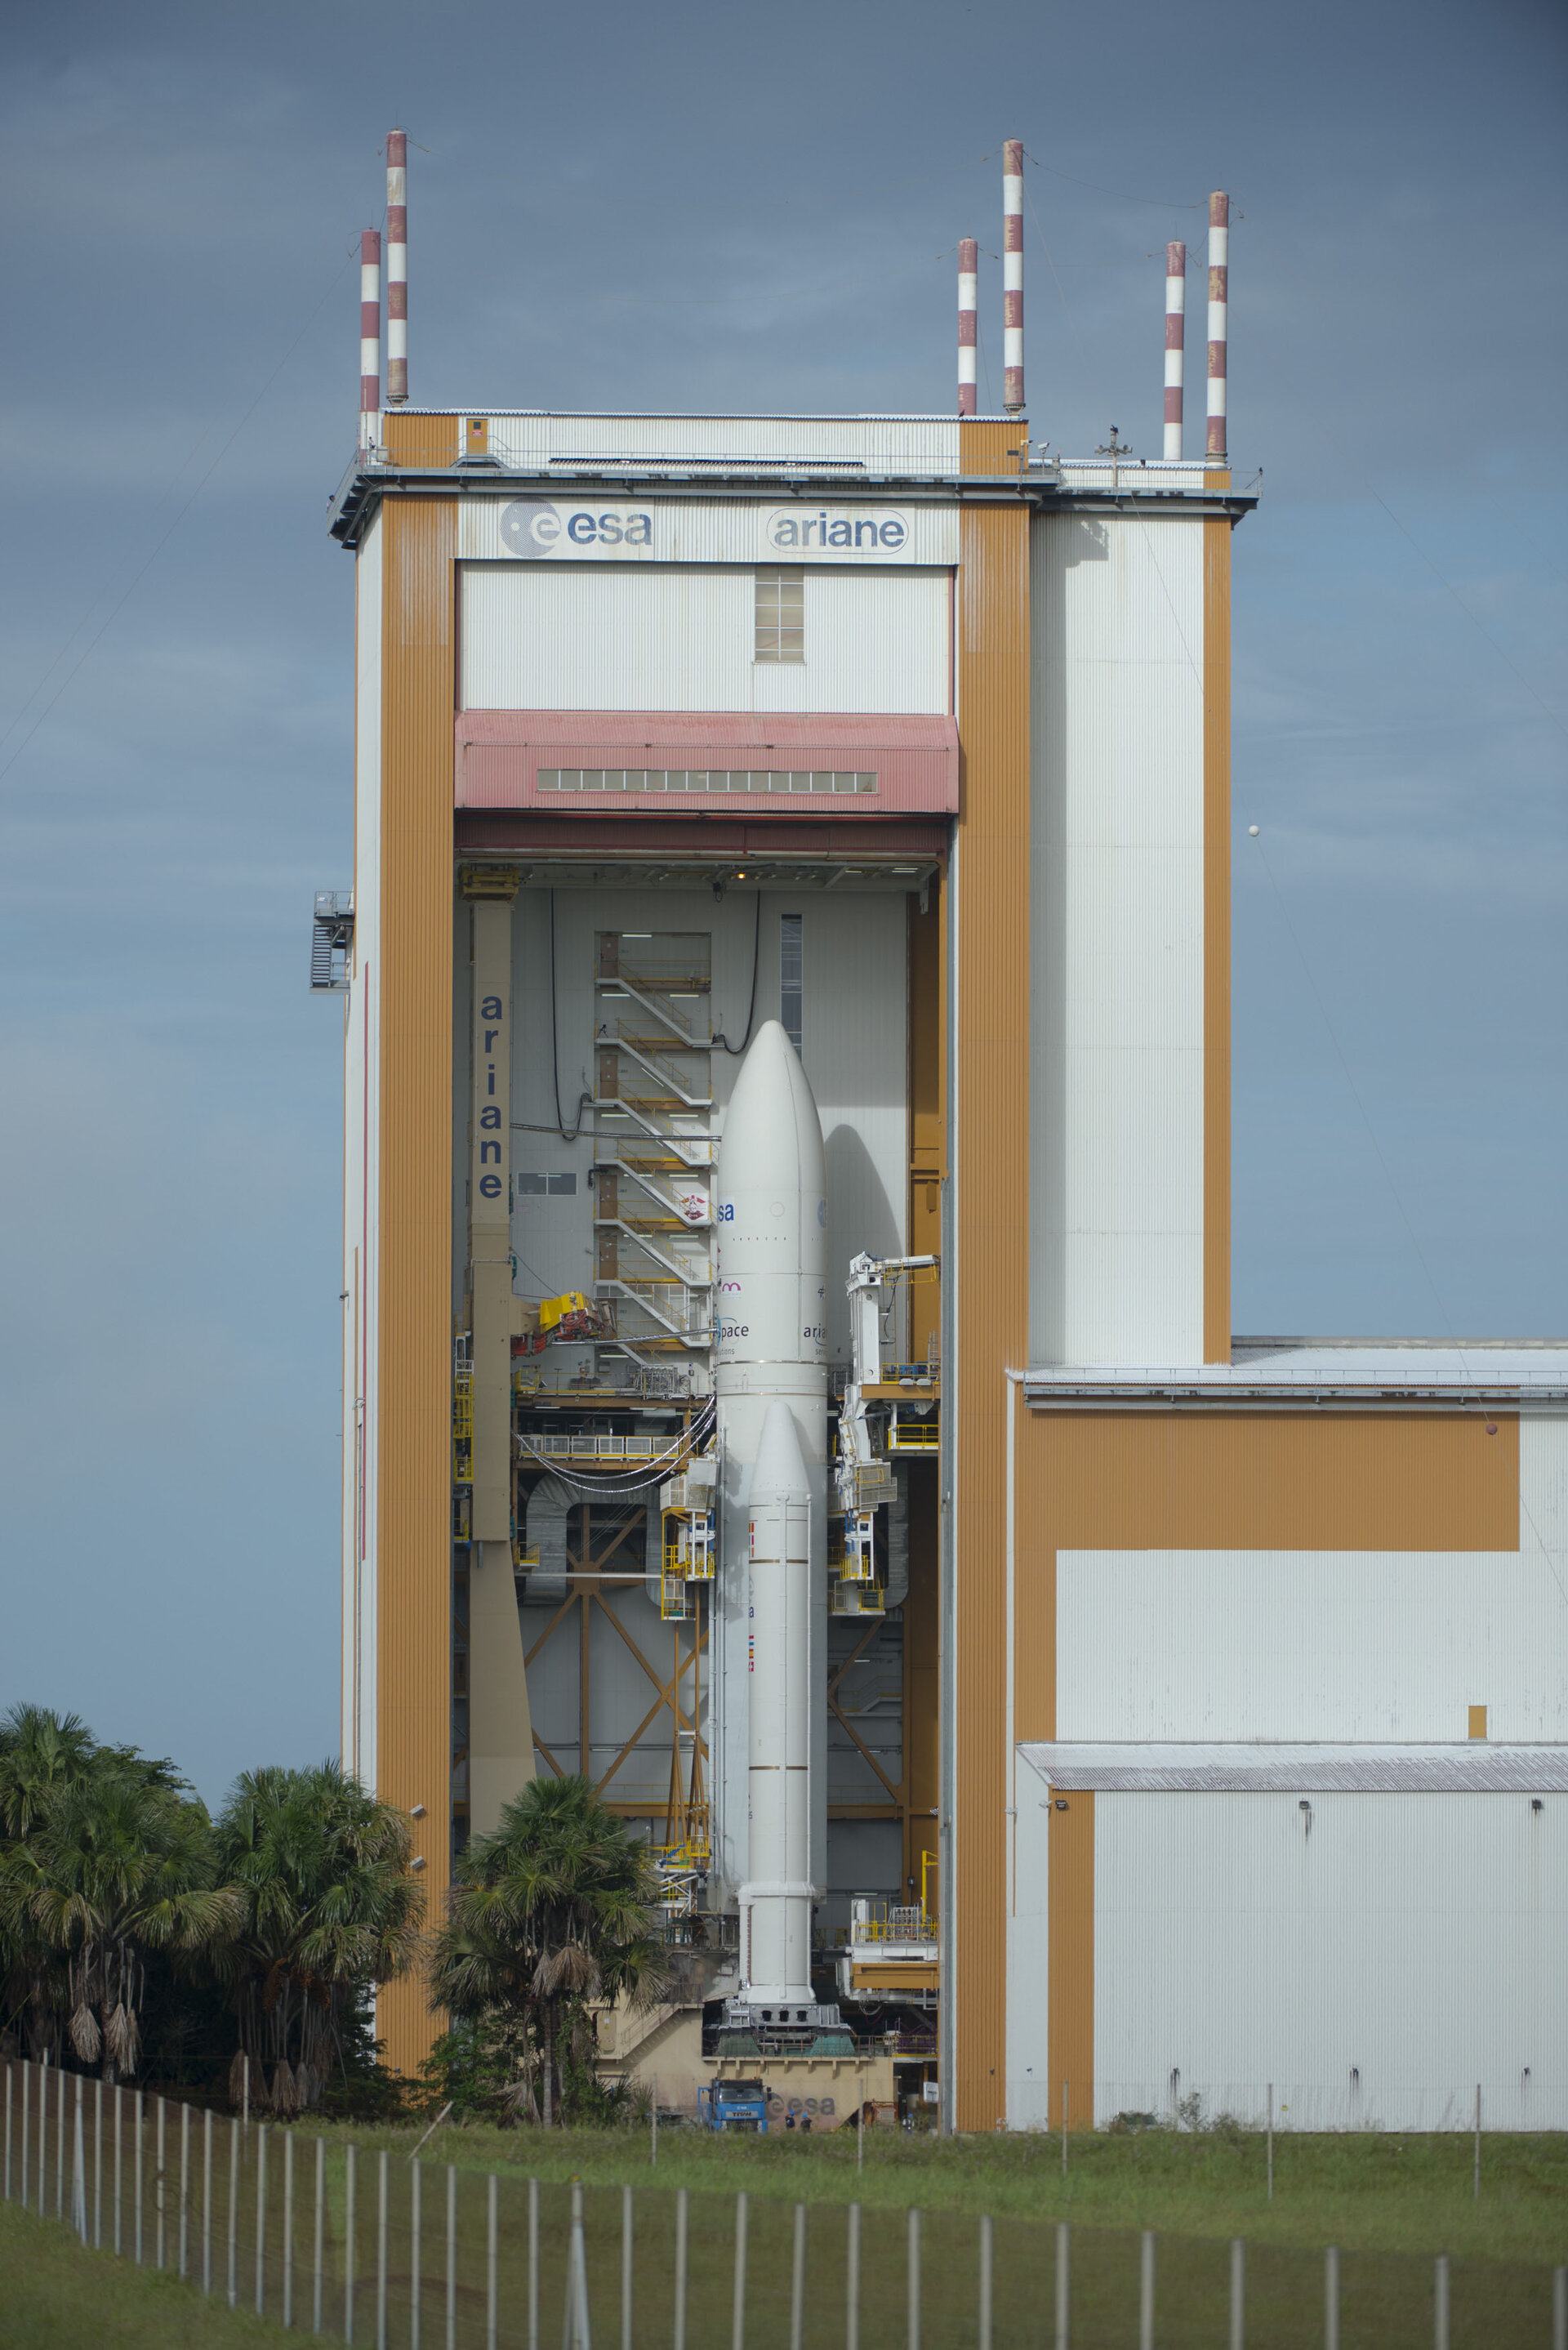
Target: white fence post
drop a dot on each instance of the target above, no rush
(1331, 2298)
(452, 2256)
(78, 2168)
(140, 2139)
(985, 2250)
(738, 2310)
(533, 2264)
(797, 2282)
(160, 2147)
(681, 2218)
(206, 2200)
(1146, 2292)
(382, 2189)
(1063, 2285)
(577, 2274)
(234, 2211)
(414, 2261)
(261, 2217)
(1271, 2141)
(913, 2287)
(1560, 2309)
(1440, 2303)
(319, 2246)
(185, 2187)
(1238, 2295)
(851, 2282)
(60, 2143)
(26, 2115)
(491, 2231)
(289, 2228)
(1478, 2141)
(351, 2167)
(97, 2164)
(627, 2239)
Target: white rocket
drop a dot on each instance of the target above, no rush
(770, 1379)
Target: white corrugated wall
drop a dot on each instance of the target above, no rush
(1117, 1112)
(1335, 1645)
(561, 636)
(921, 442)
(1374, 1956)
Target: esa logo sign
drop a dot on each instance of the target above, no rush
(836, 531)
(533, 526)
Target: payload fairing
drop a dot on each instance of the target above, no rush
(771, 1383)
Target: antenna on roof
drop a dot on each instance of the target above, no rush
(396, 267)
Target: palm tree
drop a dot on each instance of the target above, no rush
(328, 1908)
(40, 1751)
(42, 1754)
(117, 1862)
(553, 1910)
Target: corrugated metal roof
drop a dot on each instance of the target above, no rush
(1478, 1767)
(1277, 1370)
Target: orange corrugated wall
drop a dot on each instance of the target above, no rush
(414, 1570)
(989, 1147)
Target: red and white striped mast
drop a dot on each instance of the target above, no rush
(1219, 324)
(1012, 276)
(396, 267)
(1175, 353)
(969, 322)
(369, 335)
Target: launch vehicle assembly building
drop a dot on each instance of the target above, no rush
(788, 1362)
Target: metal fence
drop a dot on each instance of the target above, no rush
(362, 2244)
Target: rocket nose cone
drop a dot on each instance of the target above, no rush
(773, 1114)
(780, 1470)
(773, 1063)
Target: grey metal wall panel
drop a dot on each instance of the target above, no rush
(1116, 1083)
(681, 637)
(1478, 1767)
(1375, 1957)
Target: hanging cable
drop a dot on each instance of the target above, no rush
(663, 1465)
(736, 1051)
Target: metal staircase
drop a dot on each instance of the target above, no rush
(653, 1149)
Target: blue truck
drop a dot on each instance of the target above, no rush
(732, 2104)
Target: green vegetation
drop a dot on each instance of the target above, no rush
(551, 1912)
(57, 2295)
(326, 1907)
(1364, 2192)
(141, 1940)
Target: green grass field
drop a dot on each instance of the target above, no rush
(1364, 2192)
(54, 2296)
(1388, 2203)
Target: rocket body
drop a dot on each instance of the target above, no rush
(770, 1379)
(777, 1898)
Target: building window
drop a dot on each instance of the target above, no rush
(781, 616)
(789, 975)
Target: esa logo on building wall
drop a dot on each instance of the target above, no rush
(533, 526)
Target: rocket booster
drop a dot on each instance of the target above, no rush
(770, 1380)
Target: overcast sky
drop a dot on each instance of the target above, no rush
(711, 207)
